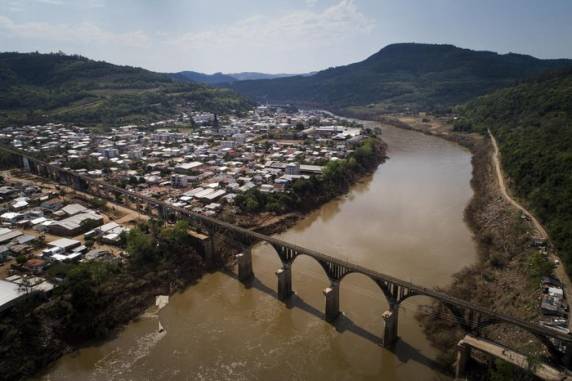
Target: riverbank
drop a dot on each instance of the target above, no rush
(502, 279)
(96, 300)
(309, 195)
(40, 333)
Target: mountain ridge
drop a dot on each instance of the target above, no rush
(36, 88)
(532, 122)
(225, 78)
(403, 76)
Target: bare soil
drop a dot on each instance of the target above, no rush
(500, 279)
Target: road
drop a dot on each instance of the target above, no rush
(496, 160)
(559, 270)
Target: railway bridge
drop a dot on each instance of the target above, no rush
(471, 318)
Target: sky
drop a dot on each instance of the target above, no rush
(277, 36)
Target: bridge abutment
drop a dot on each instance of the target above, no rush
(245, 272)
(463, 357)
(390, 321)
(332, 295)
(284, 282)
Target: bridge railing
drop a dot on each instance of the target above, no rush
(375, 275)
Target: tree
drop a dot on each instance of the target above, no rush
(141, 247)
(89, 224)
(539, 266)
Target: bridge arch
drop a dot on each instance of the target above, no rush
(322, 265)
(462, 317)
(382, 286)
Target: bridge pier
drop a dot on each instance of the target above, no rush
(26, 164)
(567, 356)
(78, 184)
(284, 282)
(332, 295)
(463, 357)
(390, 321)
(210, 249)
(245, 272)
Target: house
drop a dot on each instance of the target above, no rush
(75, 224)
(9, 236)
(73, 209)
(11, 217)
(9, 294)
(311, 169)
(4, 252)
(179, 181)
(35, 265)
(65, 244)
(188, 168)
(110, 232)
(292, 169)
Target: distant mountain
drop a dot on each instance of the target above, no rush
(208, 79)
(409, 75)
(532, 123)
(56, 87)
(246, 76)
(221, 78)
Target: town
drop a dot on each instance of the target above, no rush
(202, 167)
(195, 161)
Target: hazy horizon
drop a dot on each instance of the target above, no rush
(293, 37)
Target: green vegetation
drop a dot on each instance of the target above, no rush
(532, 123)
(56, 87)
(95, 298)
(98, 203)
(539, 266)
(403, 76)
(306, 194)
(207, 79)
(7, 161)
(503, 371)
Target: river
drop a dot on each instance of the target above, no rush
(405, 220)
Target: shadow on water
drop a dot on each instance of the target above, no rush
(404, 351)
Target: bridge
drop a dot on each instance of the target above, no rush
(471, 318)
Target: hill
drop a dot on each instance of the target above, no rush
(222, 78)
(246, 76)
(532, 123)
(37, 88)
(400, 76)
(208, 79)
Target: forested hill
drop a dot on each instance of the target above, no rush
(533, 125)
(56, 87)
(418, 76)
(208, 79)
(222, 78)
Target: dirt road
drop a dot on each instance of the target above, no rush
(559, 271)
(496, 160)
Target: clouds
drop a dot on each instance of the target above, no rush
(21, 4)
(295, 33)
(295, 29)
(262, 42)
(87, 33)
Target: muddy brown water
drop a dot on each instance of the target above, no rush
(406, 220)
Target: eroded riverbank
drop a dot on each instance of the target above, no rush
(405, 220)
(502, 278)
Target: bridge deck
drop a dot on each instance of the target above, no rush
(213, 222)
(542, 370)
